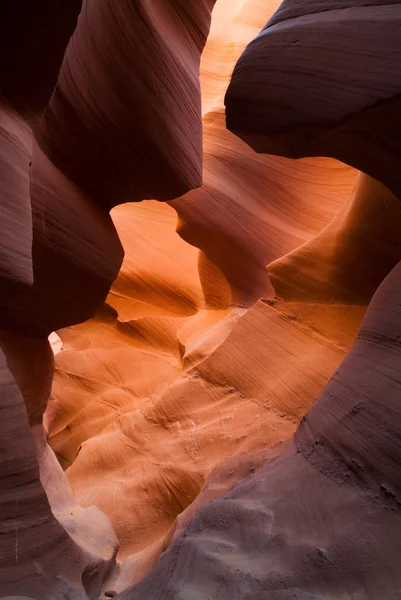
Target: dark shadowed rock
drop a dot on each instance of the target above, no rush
(324, 79)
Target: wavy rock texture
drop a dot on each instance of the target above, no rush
(323, 79)
(177, 359)
(15, 207)
(111, 114)
(60, 251)
(35, 545)
(346, 262)
(322, 519)
(175, 410)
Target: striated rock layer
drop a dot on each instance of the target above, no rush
(323, 79)
(36, 538)
(158, 368)
(207, 381)
(321, 520)
(124, 120)
(177, 404)
(60, 251)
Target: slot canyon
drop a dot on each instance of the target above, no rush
(200, 300)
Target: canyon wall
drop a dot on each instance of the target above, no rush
(167, 441)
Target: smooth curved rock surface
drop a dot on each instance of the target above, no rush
(120, 130)
(349, 258)
(177, 394)
(60, 251)
(322, 519)
(38, 555)
(76, 254)
(323, 79)
(155, 368)
(15, 205)
(252, 209)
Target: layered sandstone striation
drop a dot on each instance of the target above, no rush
(319, 519)
(129, 108)
(322, 79)
(173, 448)
(158, 368)
(60, 251)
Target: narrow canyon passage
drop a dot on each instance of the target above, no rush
(205, 395)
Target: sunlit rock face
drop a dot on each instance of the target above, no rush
(317, 520)
(170, 444)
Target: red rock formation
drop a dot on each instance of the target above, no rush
(180, 369)
(322, 519)
(39, 557)
(252, 210)
(346, 262)
(60, 251)
(15, 207)
(124, 382)
(121, 129)
(323, 79)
